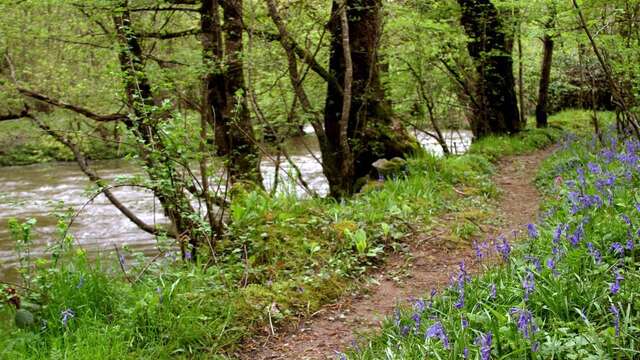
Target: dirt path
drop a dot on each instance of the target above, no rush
(430, 265)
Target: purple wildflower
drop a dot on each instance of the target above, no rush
(594, 168)
(416, 321)
(419, 305)
(484, 342)
(617, 248)
(187, 255)
(528, 284)
(66, 315)
(464, 322)
(535, 261)
(525, 322)
(533, 231)
(581, 179)
(615, 286)
(575, 238)
(534, 346)
(595, 253)
(479, 248)
(121, 259)
(503, 247)
(616, 318)
(437, 331)
(396, 317)
(630, 245)
(465, 353)
(405, 330)
(341, 356)
(558, 233)
(551, 264)
(492, 291)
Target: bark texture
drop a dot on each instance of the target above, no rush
(490, 47)
(225, 95)
(545, 80)
(371, 131)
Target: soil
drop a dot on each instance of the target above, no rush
(432, 260)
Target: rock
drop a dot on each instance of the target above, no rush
(24, 319)
(390, 168)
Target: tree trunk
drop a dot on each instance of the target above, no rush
(225, 96)
(371, 131)
(545, 78)
(490, 47)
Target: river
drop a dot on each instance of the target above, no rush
(36, 191)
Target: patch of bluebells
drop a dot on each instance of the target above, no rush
(583, 219)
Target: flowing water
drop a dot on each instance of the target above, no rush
(37, 191)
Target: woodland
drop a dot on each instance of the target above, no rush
(275, 163)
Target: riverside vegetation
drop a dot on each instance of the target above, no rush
(175, 308)
(199, 96)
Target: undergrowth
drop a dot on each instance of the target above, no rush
(283, 258)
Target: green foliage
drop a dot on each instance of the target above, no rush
(283, 257)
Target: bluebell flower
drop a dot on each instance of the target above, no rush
(535, 261)
(575, 238)
(66, 315)
(503, 247)
(558, 233)
(617, 248)
(533, 231)
(405, 330)
(528, 284)
(492, 291)
(416, 321)
(396, 317)
(534, 346)
(465, 353)
(595, 253)
(341, 356)
(419, 305)
(464, 322)
(524, 322)
(437, 331)
(594, 168)
(616, 318)
(484, 342)
(551, 265)
(630, 245)
(615, 286)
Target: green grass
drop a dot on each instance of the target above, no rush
(283, 258)
(571, 300)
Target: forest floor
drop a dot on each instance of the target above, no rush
(428, 265)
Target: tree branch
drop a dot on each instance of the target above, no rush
(77, 109)
(14, 116)
(94, 177)
(170, 35)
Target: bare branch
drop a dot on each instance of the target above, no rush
(94, 177)
(77, 109)
(14, 116)
(170, 35)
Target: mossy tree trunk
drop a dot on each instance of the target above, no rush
(225, 95)
(371, 131)
(490, 46)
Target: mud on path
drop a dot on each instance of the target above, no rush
(430, 265)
